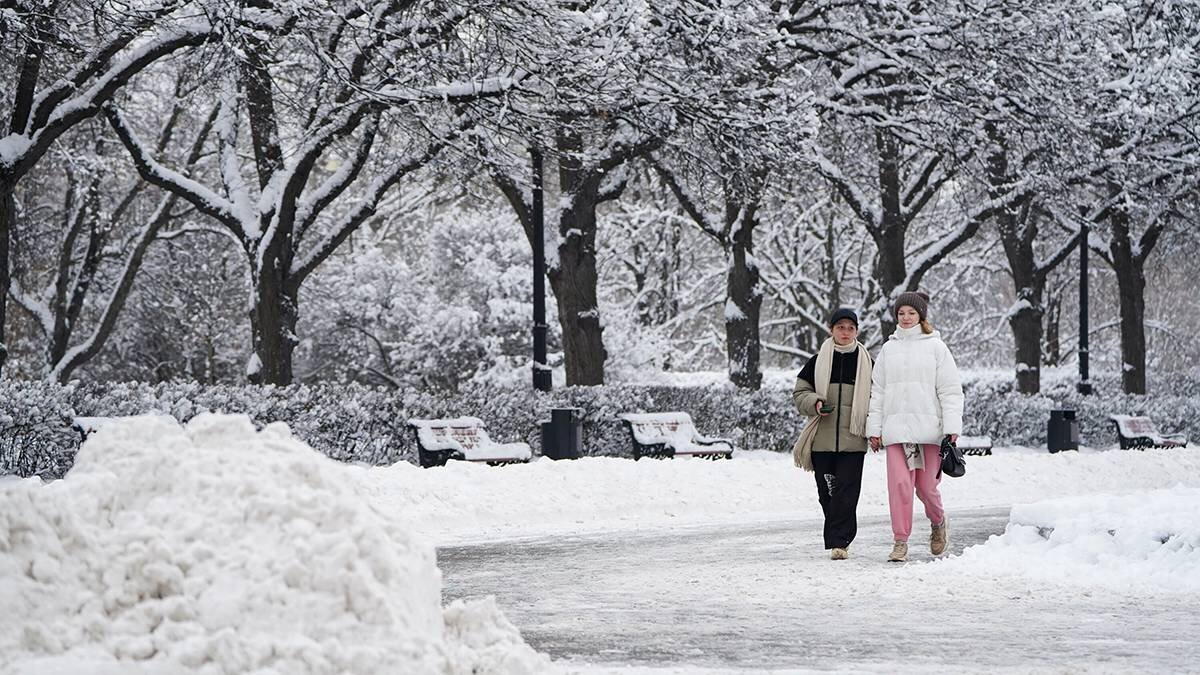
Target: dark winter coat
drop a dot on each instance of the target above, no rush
(833, 430)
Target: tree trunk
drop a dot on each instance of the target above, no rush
(1051, 342)
(743, 301)
(574, 281)
(889, 273)
(8, 217)
(1131, 288)
(1026, 324)
(891, 268)
(273, 325)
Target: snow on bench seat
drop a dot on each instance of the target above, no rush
(1135, 431)
(671, 434)
(463, 438)
(975, 445)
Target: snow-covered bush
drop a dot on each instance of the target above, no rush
(36, 437)
(355, 423)
(441, 299)
(995, 409)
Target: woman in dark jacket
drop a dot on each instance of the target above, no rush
(833, 443)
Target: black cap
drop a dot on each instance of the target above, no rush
(842, 313)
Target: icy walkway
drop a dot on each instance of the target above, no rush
(764, 597)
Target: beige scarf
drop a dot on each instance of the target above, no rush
(802, 450)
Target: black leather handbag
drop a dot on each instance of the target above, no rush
(952, 459)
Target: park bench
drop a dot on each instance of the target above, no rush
(1139, 432)
(463, 438)
(975, 445)
(671, 434)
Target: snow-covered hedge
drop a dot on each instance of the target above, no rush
(36, 437)
(361, 424)
(993, 408)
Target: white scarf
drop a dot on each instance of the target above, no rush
(860, 406)
(802, 450)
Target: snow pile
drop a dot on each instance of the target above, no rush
(219, 549)
(471, 502)
(1147, 540)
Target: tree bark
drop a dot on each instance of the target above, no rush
(1026, 325)
(8, 216)
(273, 327)
(1131, 290)
(891, 268)
(1017, 233)
(574, 281)
(743, 300)
(1052, 343)
(890, 271)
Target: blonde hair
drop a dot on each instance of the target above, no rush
(926, 327)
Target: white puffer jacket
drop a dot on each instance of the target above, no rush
(916, 394)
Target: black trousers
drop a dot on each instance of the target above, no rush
(839, 480)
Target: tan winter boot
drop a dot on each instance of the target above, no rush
(939, 537)
(899, 552)
(839, 554)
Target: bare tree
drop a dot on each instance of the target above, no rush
(91, 241)
(613, 92)
(313, 132)
(48, 99)
(888, 71)
(1141, 105)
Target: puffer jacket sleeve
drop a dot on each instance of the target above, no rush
(804, 396)
(875, 409)
(949, 391)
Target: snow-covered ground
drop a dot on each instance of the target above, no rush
(216, 548)
(463, 502)
(1129, 543)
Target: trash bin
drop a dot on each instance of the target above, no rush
(1062, 432)
(562, 436)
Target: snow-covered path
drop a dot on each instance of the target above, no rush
(764, 597)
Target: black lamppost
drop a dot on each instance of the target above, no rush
(1084, 386)
(541, 370)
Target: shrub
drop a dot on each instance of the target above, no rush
(355, 423)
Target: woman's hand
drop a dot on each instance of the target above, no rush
(817, 408)
(876, 443)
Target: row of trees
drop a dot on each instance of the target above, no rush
(832, 152)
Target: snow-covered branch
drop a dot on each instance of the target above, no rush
(194, 192)
(323, 248)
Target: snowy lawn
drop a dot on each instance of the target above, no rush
(215, 548)
(461, 503)
(1134, 543)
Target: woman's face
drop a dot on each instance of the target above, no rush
(844, 332)
(907, 316)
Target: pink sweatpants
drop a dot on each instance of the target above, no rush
(900, 489)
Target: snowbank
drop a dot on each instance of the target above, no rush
(467, 502)
(1148, 540)
(218, 549)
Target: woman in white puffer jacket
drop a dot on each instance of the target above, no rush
(916, 401)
